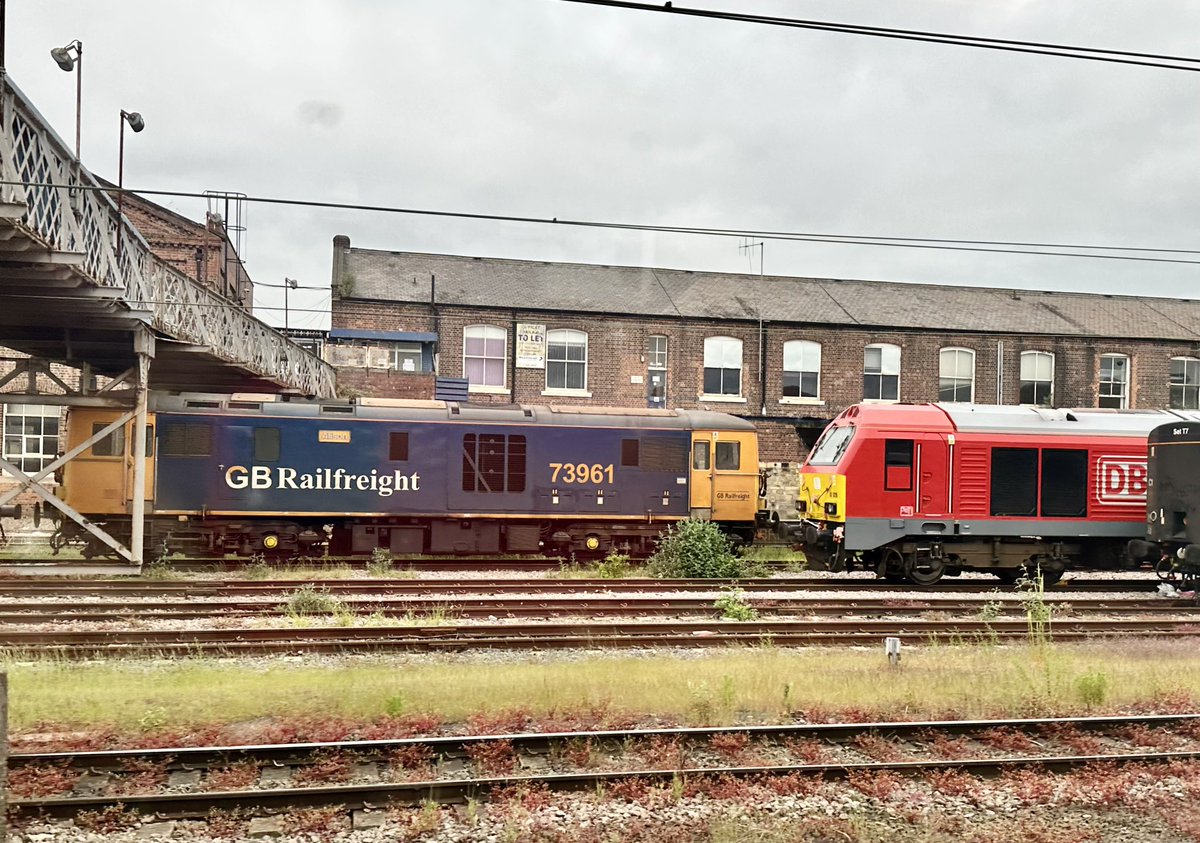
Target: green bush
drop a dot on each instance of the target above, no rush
(309, 599)
(733, 606)
(614, 567)
(697, 549)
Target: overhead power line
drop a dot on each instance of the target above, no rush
(1006, 247)
(1159, 60)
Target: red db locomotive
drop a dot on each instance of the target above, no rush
(919, 491)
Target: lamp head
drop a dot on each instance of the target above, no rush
(63, 55)
(134, 120)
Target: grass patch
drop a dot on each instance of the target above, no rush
(716, 686)
(795, 560)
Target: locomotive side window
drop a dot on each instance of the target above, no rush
(112, 445)
(266, 444)
(398, 445)
(700, 456)
(1064, 483)
(729, 456)
(1014, 481)
(629, 452)
(186, 440)
(898, 465)
(493, 462)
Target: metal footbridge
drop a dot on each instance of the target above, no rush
(80, 286)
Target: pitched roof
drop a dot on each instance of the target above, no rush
(645, 291)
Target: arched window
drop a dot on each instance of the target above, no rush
(566, 359)
(1037, 378)
(1185, 383)
(1114, 381)
(801, 369)
(881, 372)
(722, 366)
(956, 381)
(484, 355)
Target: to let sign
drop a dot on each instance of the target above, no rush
(531, 346)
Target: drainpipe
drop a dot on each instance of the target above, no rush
(437, 324)
(762, 367)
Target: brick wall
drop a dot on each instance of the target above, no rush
(384, 383)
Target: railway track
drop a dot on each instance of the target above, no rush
(454, 608)
(453, 769)
(56, 586)
(550, 635)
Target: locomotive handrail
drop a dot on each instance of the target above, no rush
(82, 222)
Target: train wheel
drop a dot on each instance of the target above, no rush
(923, 570)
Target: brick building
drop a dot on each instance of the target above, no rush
(788, 353)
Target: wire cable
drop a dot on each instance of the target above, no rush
(1158, 60)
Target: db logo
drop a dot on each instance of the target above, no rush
(1121, 480)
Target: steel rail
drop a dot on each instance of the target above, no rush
(454, 610)
(57, 586)
(454, 746)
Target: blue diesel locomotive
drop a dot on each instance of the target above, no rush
(282, 477)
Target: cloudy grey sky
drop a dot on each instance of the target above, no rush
(551, 109)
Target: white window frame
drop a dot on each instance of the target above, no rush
(1117, 388)
(651, 353)
(888, 368)
(31, 445)
(805, 355)
(1184, 386)
(723, 353)
(1036, 357)
(955, 376)
(568, 337)
(485, 333)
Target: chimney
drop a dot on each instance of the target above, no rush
(341, 245)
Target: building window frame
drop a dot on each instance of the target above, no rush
(1034, 376)
(881, 376)
(801, 373)
(723, 362)
(1183, 383)
(571, 362)
(486, 357)
(1113, 385)
(954, 381)
(31, 435)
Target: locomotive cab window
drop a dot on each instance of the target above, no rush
(266, 444)
(700, 452)
(1064, 483)
(112, 445)
(898, 465)
(1014, 484)
(398, 445)
(729, 456)
(831, 446)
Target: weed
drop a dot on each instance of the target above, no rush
(36, 781)
(228, 825)
(415, 759)
(990, 611)
(808, 750)
(256, 568)
(236, 777)
(661, 753)
(578, 752)
(496, 757)
(614, 567)
(310, 599)
(731, 746)
(323, 823)
(877, 748)
(323, 767)
(1007, 740)
(395, 705)
(1092, 688)
(1038, 613)
(733, 606)
(1069, 735)
(697, 549)
(381, 563)
(160, 569)
(108, 820)
(879, 785)
(142, 776)
(952, 782)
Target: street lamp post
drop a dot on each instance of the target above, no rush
(136, 123)
(70, 58)
(288, 284)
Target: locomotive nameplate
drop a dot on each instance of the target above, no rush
(339, 436)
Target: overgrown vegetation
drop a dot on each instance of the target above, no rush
(696, 549)
(310, 599)
(716, 686)
(381, 563)
(732, 605)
